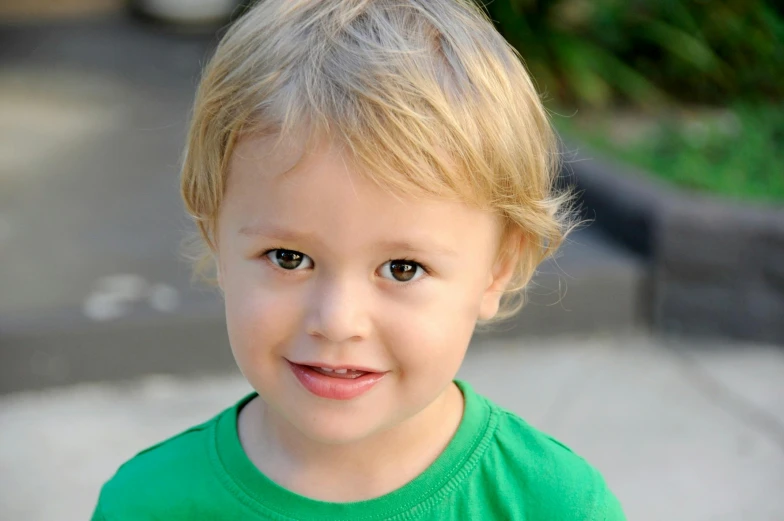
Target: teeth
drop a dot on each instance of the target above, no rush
(336, 371)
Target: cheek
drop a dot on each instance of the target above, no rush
(434, 338)
(257, 319)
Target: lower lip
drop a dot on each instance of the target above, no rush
(332, 387)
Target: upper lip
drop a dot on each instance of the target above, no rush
(338, 366)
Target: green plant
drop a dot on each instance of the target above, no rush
(736, 153)
(594, 52)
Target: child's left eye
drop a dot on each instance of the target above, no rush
(402, 270)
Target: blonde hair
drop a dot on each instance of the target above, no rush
(426, 96)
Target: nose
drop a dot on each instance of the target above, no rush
(338, 311)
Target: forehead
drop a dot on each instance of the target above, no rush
(276, 155)
(314, 188)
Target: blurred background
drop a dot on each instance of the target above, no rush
(653, 345)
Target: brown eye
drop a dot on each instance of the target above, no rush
(289, 259)
(402, 270)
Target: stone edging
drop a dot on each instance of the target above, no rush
(717, 265)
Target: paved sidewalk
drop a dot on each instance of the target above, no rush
(681, 432)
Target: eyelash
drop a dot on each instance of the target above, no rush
(424, 267)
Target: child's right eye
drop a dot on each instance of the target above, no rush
(289, 259)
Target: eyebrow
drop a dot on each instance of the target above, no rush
(273, 232)
(284, 235)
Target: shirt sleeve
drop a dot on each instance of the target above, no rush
(98, 515)
(612, 510)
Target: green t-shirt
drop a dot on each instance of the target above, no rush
(496, 467)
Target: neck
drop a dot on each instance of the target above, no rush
(371, 467)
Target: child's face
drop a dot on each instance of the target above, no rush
(304, 263)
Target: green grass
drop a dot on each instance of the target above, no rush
(736, 153)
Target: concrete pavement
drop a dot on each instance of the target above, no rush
(681, 433)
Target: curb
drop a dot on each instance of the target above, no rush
(717, 265)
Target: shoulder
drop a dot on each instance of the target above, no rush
(547, 475)
(162, 478)
(169, 457)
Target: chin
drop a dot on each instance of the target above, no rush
(334, 427)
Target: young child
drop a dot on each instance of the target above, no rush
(372, 178)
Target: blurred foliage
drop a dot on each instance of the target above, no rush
(737, 153)
(595, 52)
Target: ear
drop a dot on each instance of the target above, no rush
(502, 272)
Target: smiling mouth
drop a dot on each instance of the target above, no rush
(337, 383)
